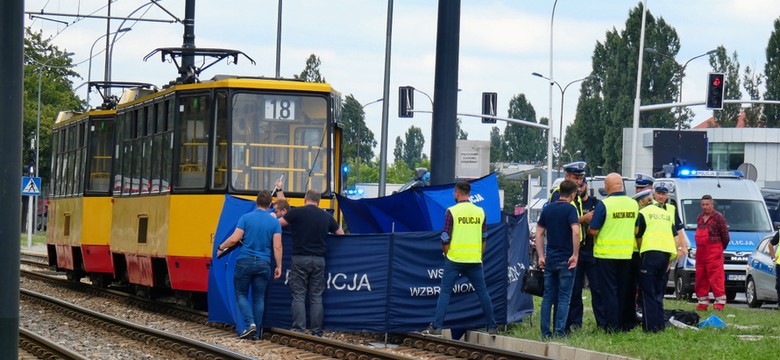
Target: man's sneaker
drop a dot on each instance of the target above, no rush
(718, 307)
(701, 307)
(492, 332)
(249, 332)
(430, 331)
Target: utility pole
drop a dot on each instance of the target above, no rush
(11, 99)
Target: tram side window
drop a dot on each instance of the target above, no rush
(61, 162)
(53, 171)
(117, 153)
(167, 145)
(219, 173)
(68, 168)
(80, 155)
(127, 155)
(146, 177)
(193, 150)
(99, 161)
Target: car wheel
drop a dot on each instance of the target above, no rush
(679, 288)
(750, 294)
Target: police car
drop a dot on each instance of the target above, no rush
(740, 202)
(760, 283)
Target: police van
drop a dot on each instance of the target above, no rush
(741, 203)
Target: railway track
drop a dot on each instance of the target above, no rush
(35, 346)
(401, 346)
(143, 336)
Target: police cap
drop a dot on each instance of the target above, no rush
(576, 168)
(642, 194)
(643, 180)
(661, 189)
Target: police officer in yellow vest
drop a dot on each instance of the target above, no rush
(774, 253)
(661, 197)
(462, 242)
(613, 224)
(655, 233)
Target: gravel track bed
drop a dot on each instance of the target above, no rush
(205, 333)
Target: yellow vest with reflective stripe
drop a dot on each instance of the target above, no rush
(466, 240)
(616, 237)
(658, 231)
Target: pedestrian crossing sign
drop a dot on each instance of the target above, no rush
(31, 186)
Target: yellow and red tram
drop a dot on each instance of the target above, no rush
(177, 152)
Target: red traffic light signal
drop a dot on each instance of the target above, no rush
(715, 91)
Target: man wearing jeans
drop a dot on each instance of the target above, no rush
(560, 222)
(462, 243)
(310, 227)
(260, 231)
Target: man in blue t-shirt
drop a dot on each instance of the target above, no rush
(559, 221)
(261, 231)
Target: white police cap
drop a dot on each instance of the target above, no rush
(577, 167)
(643, 180)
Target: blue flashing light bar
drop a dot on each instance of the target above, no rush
(688, 172)
(354, 191)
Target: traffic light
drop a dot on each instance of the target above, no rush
(405, 101)
(715, 90)
(31, 162)
(489, 100)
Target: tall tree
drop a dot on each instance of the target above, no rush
(398, 151)
(413, 146)
(606, 101)
(772, 73)
(359, 140)
(462, 135)
(721, 62)
(524, 143)
(496, 145)
(44, 59)
(754, 113)
(311, 73)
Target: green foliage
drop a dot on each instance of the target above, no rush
(462, 135)
(359, 140)
(311, 73)
(43, 59)
(410, 151)
(514, 192)
(524, 143)
(772, 73)
(606, 102)
(399, 172)
(748, 335)
(497, 146)
(721, 62)
(753, 113)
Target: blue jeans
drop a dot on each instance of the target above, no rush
(307, 276)
(558, 282)
(255, 272)
(472, 271)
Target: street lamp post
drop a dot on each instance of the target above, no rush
(89, 68)
(550, 131)
(563, 92)
(680, 67)
(357, 141)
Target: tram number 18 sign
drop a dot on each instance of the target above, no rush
(281, 108)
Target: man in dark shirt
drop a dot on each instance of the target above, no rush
(559, 221)
(311, 226)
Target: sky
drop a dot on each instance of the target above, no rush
(501, 43)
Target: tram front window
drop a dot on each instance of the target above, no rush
(279, 134)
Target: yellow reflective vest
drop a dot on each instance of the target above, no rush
(466, 240)
(658, 234)
(616, 237)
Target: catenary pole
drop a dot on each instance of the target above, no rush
(11, 98)
(445, 93)
(385, 104)
(635, 127)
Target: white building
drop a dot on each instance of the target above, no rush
(728, 148)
